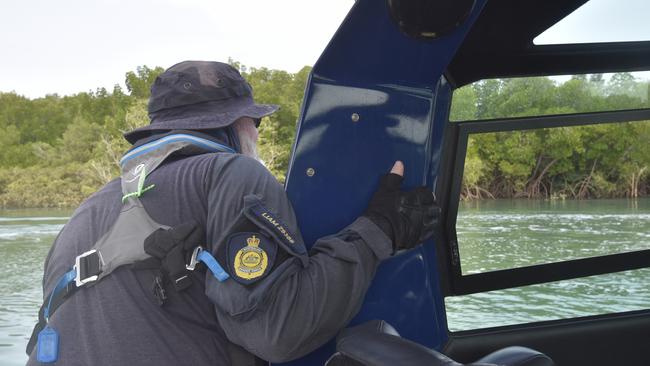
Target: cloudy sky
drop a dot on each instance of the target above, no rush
(68, 46)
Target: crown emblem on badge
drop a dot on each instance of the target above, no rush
(253, 241)
(251, 261)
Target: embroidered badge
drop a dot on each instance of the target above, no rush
(269, 220)
(250, 255)
(251, 261)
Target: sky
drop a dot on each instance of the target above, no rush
(602, 21)
(70, 46)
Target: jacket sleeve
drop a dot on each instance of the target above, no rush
(305, 300)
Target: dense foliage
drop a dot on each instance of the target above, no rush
(57, 150)
(277, 131)
(608, 160)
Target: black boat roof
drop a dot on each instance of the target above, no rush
(500, 44)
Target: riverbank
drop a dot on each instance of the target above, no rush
(56, 151)
(66, 190)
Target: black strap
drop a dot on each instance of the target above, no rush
(173, 248)
(57, 300)
(170, 250)
(89, 265)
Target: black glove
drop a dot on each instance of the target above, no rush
(408, 218)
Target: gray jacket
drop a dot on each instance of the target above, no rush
(297, 305)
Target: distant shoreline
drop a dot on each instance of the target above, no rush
(552, 199)
(519, 199)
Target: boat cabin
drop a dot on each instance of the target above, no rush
(389, 86)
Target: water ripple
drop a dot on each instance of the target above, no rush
(504, 235)
(24, 243)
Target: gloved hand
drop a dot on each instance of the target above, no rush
(408, 218)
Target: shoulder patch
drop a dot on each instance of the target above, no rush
(273, 223)
(250, 256)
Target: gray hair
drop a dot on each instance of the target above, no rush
(247, 134)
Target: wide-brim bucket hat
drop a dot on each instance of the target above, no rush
(199, 95)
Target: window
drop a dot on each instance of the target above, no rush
(601, 21)
(595, 295)
(554, 194)
(548, 217)
(538, 96)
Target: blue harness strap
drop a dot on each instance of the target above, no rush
(200, 255)
(157, 144)
(47, 340)
(124, 243)
(47, 348)
(217, 271)
(64, 280)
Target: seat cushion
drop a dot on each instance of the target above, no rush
(516, 356)
(377, 343)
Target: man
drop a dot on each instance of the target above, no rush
(192, 191)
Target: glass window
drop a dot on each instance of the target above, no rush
(549, 195)
(595, 295)
(601, 21)
(537, 96)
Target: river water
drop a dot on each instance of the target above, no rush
(25, 238)
(503, 234)
(492, 235)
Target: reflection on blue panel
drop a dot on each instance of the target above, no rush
(338, 180)
(375, 96)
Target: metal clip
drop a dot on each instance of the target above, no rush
(159, 291)
(193, 260)
(77, 267)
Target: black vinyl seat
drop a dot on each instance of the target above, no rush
(377, 343)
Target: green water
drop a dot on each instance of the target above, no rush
(503, 234)
(492, 235)
(25, 238)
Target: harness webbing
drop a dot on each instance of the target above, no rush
(124, 243)
(66, 279)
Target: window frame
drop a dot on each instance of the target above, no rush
(456, 137)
